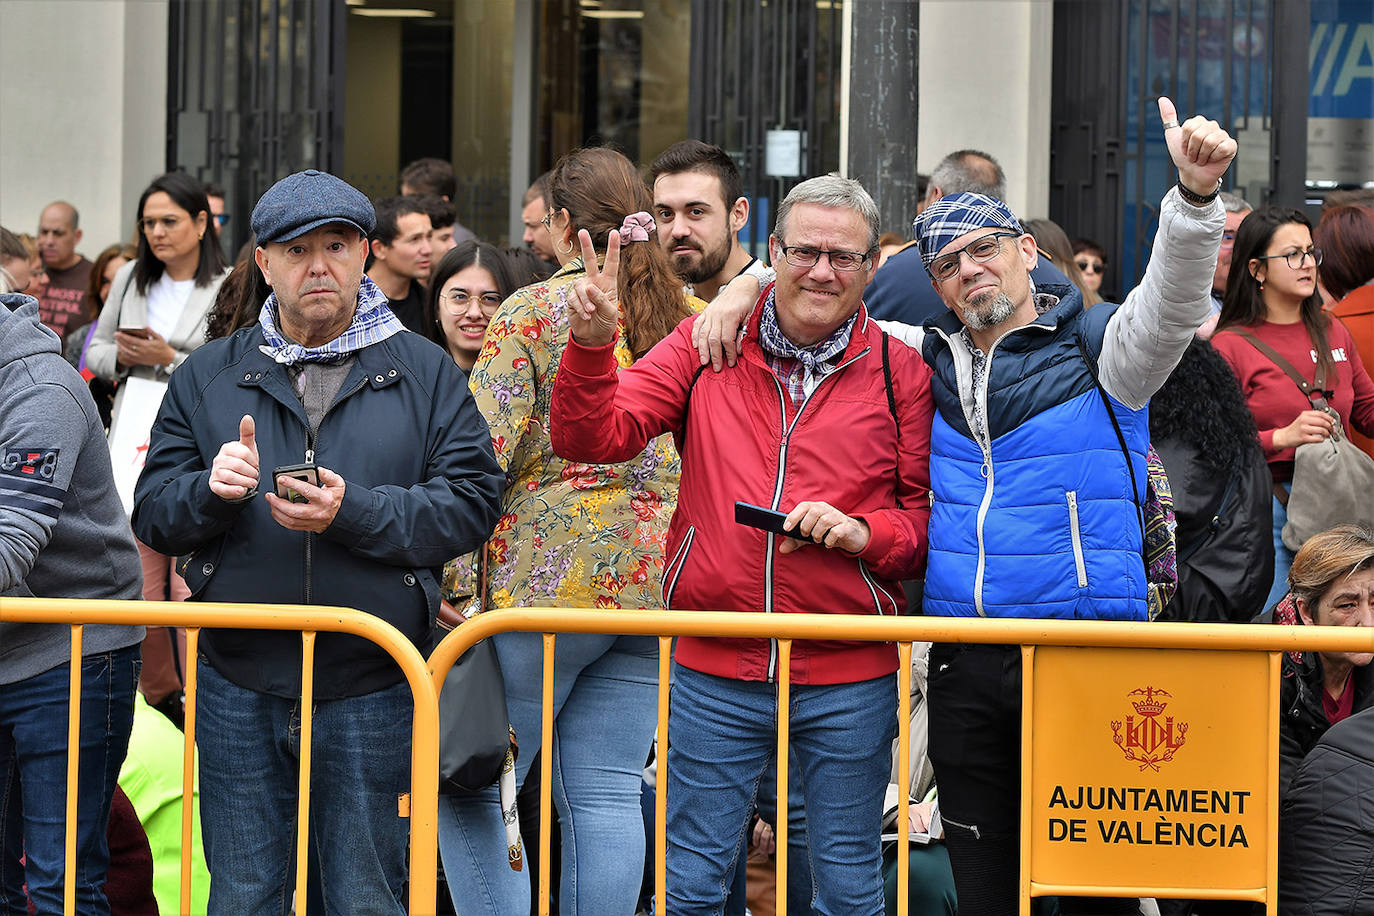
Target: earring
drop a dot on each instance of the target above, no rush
(201, 237)
(560, 247)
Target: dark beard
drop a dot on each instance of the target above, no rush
(711, 262)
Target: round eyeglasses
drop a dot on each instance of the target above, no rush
(456, 301)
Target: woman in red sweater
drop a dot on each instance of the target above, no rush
(1271, 293)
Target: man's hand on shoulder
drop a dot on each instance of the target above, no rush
(594, 308)
(234, 472)
(825, 526)
(320, 506)
(1202, 151)
(716, 332)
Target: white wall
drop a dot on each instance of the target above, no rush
(83, 110)
(985, 84)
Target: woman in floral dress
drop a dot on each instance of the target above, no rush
(574, 535)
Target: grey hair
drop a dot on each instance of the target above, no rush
(970, 171)
(833, 190)
(1234, 203)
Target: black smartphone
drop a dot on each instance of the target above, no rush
(307, 472)
(766, 519)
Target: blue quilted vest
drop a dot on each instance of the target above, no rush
(1046, 523)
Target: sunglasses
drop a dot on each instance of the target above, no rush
(1090, 267)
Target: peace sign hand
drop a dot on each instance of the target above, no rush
(1200, 148)
(593, 308)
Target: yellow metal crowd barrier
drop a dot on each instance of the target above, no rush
(424, 784)
(1148, 742)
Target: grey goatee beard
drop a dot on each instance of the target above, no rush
(984, 315)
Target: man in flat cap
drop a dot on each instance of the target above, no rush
(391, 474)
(1038, 473)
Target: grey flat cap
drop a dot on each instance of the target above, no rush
(308, 200)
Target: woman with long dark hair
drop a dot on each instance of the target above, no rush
(1271, 296)
(153, 319)
(573, 535)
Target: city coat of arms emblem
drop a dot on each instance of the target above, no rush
(1149, 737)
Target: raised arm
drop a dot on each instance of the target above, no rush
(1147, 335)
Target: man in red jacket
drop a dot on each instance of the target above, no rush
(826, 420)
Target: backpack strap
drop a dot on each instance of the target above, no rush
(892, 409)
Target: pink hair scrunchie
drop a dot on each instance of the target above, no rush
(636, 228)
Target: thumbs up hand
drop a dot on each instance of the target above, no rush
(234, 472)
(1202, 151)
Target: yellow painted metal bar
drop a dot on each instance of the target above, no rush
(424, 776)
(782, 810)
(546, 775)
(303, 787)
(188, 765)
(733, 624)
(1271, 864)
(1027, 700)
(665, 659)
(73, 768)
(1256, 894)
(903, 776)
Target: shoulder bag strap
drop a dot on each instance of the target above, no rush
(1312, 389)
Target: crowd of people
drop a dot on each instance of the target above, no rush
(367, 406)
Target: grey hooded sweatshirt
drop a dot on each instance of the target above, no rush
(63, 533)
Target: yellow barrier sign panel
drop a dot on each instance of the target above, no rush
(1150, 770)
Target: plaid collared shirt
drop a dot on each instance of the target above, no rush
(800, 369)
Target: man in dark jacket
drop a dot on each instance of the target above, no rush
(398, 477)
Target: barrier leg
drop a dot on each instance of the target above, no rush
(665, 658)
(903, 777)
(303, 790)
(546, 776)
(73, 771)
(784, 762)
(188, 766)
(1027, 692)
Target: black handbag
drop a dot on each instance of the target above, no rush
(474, 730)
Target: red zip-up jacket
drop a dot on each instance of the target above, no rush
(743, 439)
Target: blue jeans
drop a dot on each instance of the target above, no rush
(33, 795)
(604, 713)
(1283, 557)
(722, 734)
(249, 769)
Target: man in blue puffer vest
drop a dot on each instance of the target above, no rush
(1035, 506)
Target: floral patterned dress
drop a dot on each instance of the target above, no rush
(570, 534)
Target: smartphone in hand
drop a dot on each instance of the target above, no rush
(765, 519)
(307, 472)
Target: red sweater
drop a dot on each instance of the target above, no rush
(1273, 397)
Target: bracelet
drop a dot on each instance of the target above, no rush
(1199, 200)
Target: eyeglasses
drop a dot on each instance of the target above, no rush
(1296, 259)
(980, 250)
(456, 301)
(802, 256)
(221, 219)
(1090, 267)
(548, 221)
